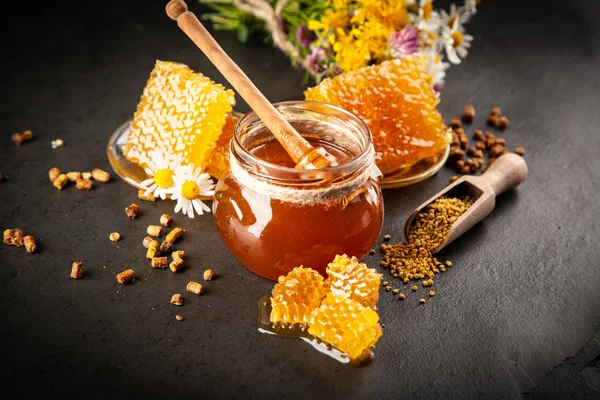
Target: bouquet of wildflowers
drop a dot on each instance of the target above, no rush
(328, 37)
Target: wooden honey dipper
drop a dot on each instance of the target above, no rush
(300, 150)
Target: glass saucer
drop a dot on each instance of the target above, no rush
(417, 172)
(133, 174)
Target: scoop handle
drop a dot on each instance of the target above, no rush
(507, 172)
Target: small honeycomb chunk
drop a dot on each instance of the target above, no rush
(346, 325)
(296, 295)
(350, 278)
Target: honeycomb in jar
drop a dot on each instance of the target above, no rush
(179, 111)
(296, 295)
(346, 324)
(397, 101)
(346, 276)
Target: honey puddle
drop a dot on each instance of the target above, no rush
(299, 331)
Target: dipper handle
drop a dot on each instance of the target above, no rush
(300, 150)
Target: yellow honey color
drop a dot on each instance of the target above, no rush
(296, 295)
(346, 324)
(350, 278)
(397, 101)
(179, 111)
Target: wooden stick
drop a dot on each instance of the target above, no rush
(303, 153)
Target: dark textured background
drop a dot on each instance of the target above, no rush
(519, 314)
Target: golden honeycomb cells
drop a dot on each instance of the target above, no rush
(217, 159)
(397, 101)
(348, 277)
(179, 111)
(346, 325)
(296, 295)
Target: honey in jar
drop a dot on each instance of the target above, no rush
(274, 217)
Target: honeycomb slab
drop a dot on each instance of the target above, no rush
(179, 111)
(397, 101)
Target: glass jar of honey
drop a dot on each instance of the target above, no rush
(274, 217)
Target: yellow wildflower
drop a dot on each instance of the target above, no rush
(350, 53)
(332, 19)
(338, 4)
(390, 13)
(316, 26)
(374, 36)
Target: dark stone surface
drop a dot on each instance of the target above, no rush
(518, 314)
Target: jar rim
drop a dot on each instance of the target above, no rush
(242, 154)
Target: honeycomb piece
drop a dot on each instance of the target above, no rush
(296, 296)
(217, 159)
(348, 277)
(346, 325)
(180, 111)
(397, 101)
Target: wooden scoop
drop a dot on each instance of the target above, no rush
(507, 172)
(303, 153)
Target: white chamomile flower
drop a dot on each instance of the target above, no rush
(427, 19)
(190, 184)
(448, 19)
(430, 40)
(161, 168)
(456, 42)
(436, 68)
(469, 9)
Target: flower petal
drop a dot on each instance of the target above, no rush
(178, 207)
(190, 209)
(147, 182)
